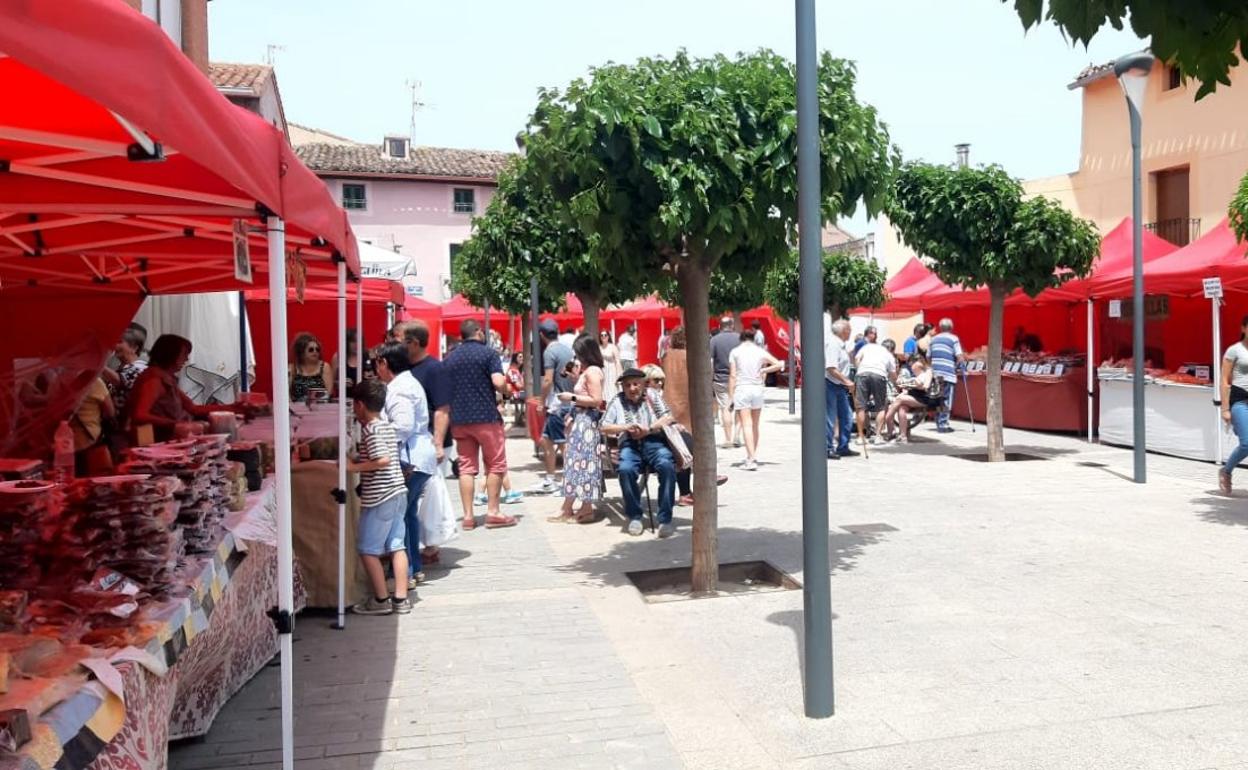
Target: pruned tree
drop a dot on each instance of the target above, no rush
(728, 293)
(1201, 36)
(978, 231)
(849, 281)
(1238, 211)
(686, 167)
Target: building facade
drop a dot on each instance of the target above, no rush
(417, 201)
(1194, 155)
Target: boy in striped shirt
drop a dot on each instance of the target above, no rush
(383, 501)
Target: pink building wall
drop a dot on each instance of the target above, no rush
(418, 217)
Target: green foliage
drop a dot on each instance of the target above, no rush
(975, 226)
(1239, 211)
(849, 281)
(1200, 36)
(692, 161)
(521, 235)
(729, 293)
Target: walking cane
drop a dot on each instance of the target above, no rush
(970, 411)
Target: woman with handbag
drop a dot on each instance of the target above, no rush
(582, 464)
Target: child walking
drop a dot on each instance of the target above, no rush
(383, 501)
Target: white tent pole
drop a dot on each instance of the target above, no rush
(359, 329)
(281, 450)
(341, 492)
(1215, 372)
(1091, 366)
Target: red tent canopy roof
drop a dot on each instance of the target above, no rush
(83, 129)
(1216, 254)
(646, 309)
(376, 290)
(460, 309)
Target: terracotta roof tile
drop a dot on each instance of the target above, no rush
(421, 161)
(249, 77)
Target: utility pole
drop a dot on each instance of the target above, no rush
(414, 87)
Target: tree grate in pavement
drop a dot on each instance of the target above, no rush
(673, 584)
(1013, 457)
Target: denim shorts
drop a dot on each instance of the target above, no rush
(555, 429)
(381, 530)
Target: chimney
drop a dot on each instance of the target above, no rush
(964, 155)
(195, 32)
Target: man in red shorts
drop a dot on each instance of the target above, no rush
(476, 377)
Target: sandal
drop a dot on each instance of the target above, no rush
(563, 518)
(586, 517)
(499, 521)
(685, 500)
(469, 523)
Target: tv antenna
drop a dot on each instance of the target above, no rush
(270, 54)
(417, 104)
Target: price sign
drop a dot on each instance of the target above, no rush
(1213, 288)
(1115, 308)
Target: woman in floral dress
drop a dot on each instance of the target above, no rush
(610, 362)
(582, 464)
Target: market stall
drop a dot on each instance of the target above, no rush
(653, 318)
(129, 175)
(1047, 394)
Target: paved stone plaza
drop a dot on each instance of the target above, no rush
(1045, 614)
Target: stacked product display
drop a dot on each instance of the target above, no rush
(200, 464)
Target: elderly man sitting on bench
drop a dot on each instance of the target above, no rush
(637, 416)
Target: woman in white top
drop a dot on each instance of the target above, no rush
(1234, 389)
(610, 363)
(748, 367)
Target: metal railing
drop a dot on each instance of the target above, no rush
(1180, 232)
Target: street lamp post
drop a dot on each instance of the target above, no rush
(1132, 72)
(816, 595)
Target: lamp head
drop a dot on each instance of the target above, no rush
(1132, 72)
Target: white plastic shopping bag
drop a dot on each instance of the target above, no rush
(437, 514)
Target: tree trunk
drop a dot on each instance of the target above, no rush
(994, 418)
(590, 306)
(695, 280)
(529, 386)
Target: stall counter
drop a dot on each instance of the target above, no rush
(1179, 419)
(1030, 402)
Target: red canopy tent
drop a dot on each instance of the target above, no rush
(651, 315)
(123, 171)
(1217, 254)
(317, 315)
(460, 309)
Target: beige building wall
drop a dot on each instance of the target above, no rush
(1209, 138)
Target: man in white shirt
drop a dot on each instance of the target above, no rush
(838, 389)
(407, 410)
(628, 348)
(876, 367)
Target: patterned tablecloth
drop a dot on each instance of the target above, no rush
(321, 421)
(209, 645)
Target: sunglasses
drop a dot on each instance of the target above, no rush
(314, 349)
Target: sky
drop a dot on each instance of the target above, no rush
(939, 72)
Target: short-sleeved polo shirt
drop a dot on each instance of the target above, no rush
(468, 370)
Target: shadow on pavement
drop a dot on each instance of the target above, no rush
(792, 620)
(782, 548)
(1217, 509)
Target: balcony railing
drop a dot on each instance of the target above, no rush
(1180, 232)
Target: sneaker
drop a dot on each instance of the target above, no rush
(402, 606)
(833, 456)
(667, 529)
(721, 480)
(871, 440)
(480, 498)
(749, 465)
(371, 606)
(944, 429)
(546, 487)
(512, 497)
(635, 527)
(1224, 482)
(848, 453)
(415, 580)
